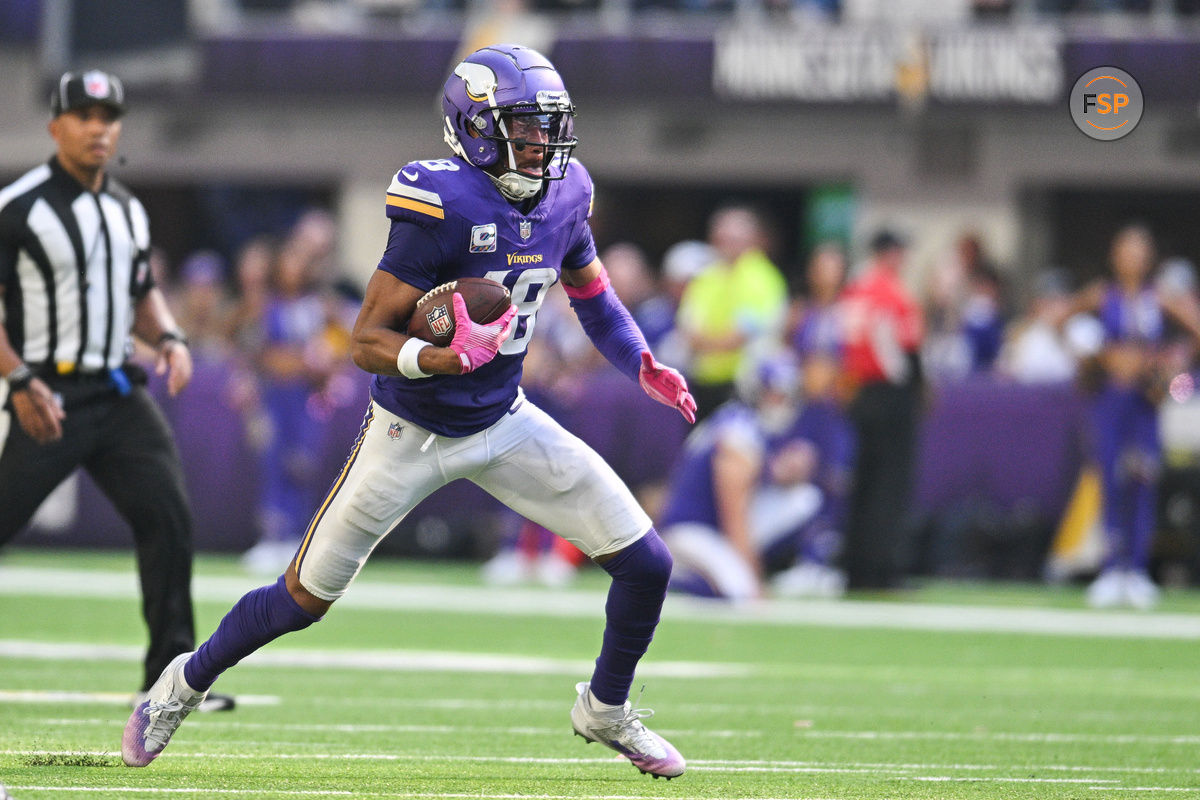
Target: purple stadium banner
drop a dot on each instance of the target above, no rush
(325, 65)
(978, 65)
(1164, 68)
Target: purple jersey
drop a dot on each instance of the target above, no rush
(449, 221)
(827, 427)
(819, 332)
(691, 497)
(1136, 319)
(294, 320)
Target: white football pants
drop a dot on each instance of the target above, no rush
(525, 460)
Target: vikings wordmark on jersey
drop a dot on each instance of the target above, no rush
(449, 222)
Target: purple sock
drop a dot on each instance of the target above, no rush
(261, 616)
(1141, 539)
(640, 574)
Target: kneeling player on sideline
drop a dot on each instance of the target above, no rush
(758, 493)
(513, 207)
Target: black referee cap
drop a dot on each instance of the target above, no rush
(83, 89)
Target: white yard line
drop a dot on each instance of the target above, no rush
(196, 789)
(368, 594)
(902, 772)
(1187, 740)
(342, 793)
(964, 767)
(699, 765)
(124, 790)
(383, 660)
(981, 779)
(109, 698)
(1001, 736)
(758, 710)
(450, 730)
(1145, 789)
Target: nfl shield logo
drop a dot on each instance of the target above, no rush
(440, 322)
(526, 229)
(394, 430)
(95, 84)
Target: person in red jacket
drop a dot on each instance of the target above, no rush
(882, 329)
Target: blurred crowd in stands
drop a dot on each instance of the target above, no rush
(22, 19)
(826, 9)
(278, 331)
(760, 497)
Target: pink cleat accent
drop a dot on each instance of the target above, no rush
(155, 719)
(621, 729)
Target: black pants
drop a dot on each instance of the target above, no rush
(126, 446)
(885, 423)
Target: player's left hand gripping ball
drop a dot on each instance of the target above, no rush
(666, 386)
(475, 343)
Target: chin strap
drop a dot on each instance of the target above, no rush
(516, 186)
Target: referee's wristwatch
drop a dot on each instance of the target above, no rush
(19, 379)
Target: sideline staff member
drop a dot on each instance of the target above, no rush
(881, 354)
(75, 284)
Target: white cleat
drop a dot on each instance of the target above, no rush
(507, 568)
(810, 579)
(152, 723)
(553, 570)
(621, 729)
(1108, 590)
(1140, 591)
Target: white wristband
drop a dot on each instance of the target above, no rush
(406, 359)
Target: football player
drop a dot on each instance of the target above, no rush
(511, 205)
(759, 490)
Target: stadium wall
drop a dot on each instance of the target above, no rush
(939, 167)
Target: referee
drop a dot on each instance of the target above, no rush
(75, 287)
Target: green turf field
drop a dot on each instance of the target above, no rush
(424, 684)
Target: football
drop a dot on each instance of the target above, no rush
(433, 318)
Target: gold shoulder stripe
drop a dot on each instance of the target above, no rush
(415, 205)
(404, 190)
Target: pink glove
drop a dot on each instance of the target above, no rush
(478, 344)
(666, 386)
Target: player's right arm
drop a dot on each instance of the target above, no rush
(418, 251)
(378, 338)
(414, 255)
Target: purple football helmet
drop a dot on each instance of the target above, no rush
(769, 380)
(499, 101)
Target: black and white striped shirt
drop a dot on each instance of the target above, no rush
(73, 265)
